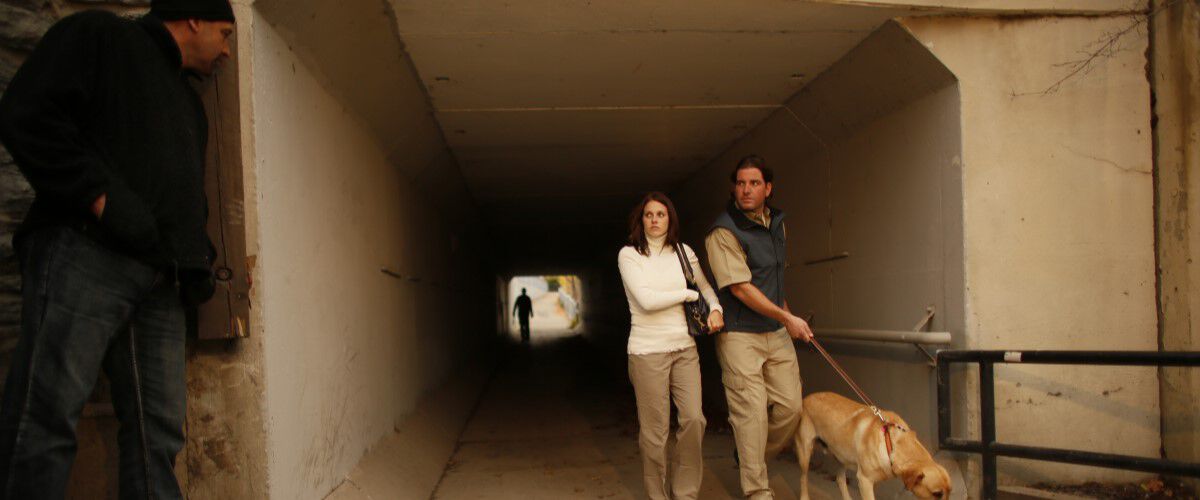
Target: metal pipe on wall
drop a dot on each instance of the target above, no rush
(897, 336)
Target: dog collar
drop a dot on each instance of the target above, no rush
(887, 440)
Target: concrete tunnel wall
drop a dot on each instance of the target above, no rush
(349, 350)
(1058, 224)
(1176, 72)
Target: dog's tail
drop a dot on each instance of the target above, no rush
(806, 435)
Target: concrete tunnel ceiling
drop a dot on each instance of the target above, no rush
(558, 113)
(564, 111)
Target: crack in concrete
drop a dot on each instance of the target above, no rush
(1106, 161)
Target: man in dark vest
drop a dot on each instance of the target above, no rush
(748, 255)
(105, 126)
(523, 309)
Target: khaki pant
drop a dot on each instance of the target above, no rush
(762, 385)
(658, 378)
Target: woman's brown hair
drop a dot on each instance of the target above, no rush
(637, 232)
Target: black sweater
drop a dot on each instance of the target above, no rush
(102, 106)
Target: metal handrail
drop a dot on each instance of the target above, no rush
(896, 336)
(990, 449)
(917, 336)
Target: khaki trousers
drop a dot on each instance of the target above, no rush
(762, 385)
(658, 378)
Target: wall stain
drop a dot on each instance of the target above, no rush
(218, 450)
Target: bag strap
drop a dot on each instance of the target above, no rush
(683, 263)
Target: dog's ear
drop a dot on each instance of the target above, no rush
(912, 479)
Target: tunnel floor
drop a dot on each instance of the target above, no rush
(558, 420)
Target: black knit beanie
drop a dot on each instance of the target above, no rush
(208, 10)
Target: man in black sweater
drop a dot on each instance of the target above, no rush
(103, 123)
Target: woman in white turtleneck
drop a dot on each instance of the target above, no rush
(663, 363)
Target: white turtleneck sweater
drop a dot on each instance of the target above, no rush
(656, 288)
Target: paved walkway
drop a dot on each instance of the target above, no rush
(558, 421)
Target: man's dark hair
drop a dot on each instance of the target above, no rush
(752, 161)
(637, 231)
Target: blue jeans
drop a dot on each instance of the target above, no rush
(87, 308)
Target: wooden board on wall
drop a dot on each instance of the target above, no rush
(227, 315)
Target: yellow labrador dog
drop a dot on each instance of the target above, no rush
(860, 441)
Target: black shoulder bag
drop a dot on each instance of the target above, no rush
(695, 313)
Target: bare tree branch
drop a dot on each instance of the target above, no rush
(1104, 47)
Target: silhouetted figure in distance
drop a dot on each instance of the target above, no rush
(523, 310)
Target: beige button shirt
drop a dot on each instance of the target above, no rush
(725, 254)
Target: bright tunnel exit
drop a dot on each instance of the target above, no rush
(543, 307)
